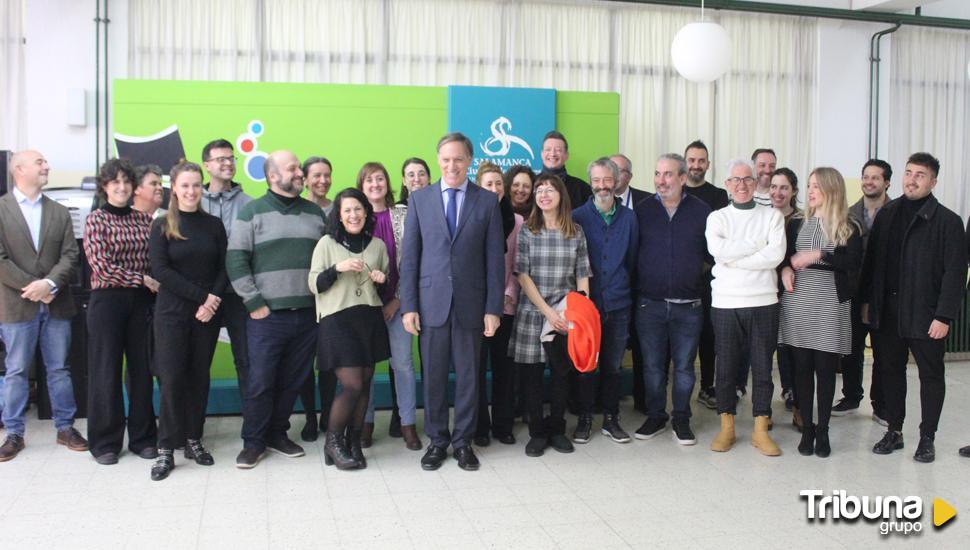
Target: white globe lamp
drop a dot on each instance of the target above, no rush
(701, 52)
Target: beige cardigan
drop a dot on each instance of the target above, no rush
(343, 293)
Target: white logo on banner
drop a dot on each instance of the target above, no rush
(500, 127)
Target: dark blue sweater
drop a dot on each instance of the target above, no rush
(672, 250)
(612, 255)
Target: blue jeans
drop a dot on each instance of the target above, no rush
(280, 358)
(21, 341)
(615, 330)
(660, 322)
(403, 366)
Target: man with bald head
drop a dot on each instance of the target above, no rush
(268, 262)
(38, 255)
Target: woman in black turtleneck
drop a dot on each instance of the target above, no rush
(347, 270)
(187, 248)
(116, 246)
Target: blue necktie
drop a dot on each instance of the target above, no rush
(451, 213)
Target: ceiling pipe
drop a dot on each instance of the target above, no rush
(875, 59)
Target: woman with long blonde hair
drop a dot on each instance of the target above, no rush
(819, 273)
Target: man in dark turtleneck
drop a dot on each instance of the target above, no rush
(912, 286)
(555, 153)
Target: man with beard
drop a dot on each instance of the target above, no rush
(765, 161)
(698, 162)
(555, 153)
(611, 241)
(268, 262)
(876, 175)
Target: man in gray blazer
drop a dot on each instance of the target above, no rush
(452, 286)
(38, 254)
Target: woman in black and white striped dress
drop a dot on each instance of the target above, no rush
(819, 275)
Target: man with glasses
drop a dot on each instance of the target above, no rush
(747, 241)
(698, 162)
(223, 198)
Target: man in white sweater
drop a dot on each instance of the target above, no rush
(747, 241)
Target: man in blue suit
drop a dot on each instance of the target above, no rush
(452, 286)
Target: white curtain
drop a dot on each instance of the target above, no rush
(12, 112)
(562, 44)
(930, 107)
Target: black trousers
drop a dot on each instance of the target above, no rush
(852, 365)
(639, 390)
(893, 354)
(743, 335)
(327, 384)
(496, 349)
(119, 322)
(706, 347)
(183, 356)
(815, 370)
(233, 315)
(532, 385)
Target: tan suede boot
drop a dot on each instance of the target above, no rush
(761, 440)
(725, 438)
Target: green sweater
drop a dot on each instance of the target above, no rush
(269, 252)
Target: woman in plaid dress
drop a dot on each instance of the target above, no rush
(551, 262)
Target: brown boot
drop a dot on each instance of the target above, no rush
(411, 439)
(71, 438)
(367, 435)
(761, 440)
(11, 447)
(725, 438)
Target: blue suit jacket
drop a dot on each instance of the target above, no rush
(464, 276)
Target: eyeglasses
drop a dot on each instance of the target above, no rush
(546, 191)
(737, 180)
(223, 160)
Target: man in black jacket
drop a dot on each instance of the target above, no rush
(913, 282)
(555, 153)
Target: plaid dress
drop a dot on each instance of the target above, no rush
(554, 264)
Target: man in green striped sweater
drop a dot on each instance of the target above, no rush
(268, 262)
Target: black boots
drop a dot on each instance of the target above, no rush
(195, 451)
(164, 464)
(822, 447)
(335, 452)
(807, 445)
(353, 443)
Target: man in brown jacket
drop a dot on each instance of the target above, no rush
(38, 253)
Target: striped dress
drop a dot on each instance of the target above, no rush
(812, 316)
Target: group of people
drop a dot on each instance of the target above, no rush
(512, 272)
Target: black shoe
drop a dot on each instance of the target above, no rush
(845, 407)
(394, 428)
(683, 433)
(925, 451)
(651, 428)
(11, 447)
(613, 430)
(466, 458)
(286, 447)
(164, 464)
(822, 447)
(536, 446)
(892, 441)
(707, 398)
(505, 439)
(248, 458)
(195, 451)
(107, 459)
(561, 443)
(148, 453)
(482, 440)
(354, 443)
(335, 451)
(806, 447)
(433, 458)
(789, 399)
(583, 428)
(309, 431)
(965, 451)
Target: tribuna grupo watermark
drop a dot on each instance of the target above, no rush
(895, 514)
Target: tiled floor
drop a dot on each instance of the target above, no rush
(652, 494)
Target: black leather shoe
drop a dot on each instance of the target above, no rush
(286, 447)
(925, 451)
(309, 431)
(506, 439)
(164, 465)
(561, 443)
(248, 458)
(806, 447)
(482, 441)
(965, 451)
(195, 451)
(466, 458)
(536, 446)
(107, 459)
(822, 447)
(433, 458)
(148, 453)
(892, 441)
(394, 428)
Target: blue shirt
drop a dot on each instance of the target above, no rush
(612, 249)
(459, 196)
(673, 249)
(32, 210)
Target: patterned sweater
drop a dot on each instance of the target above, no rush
(116, 245)
(270, 246)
